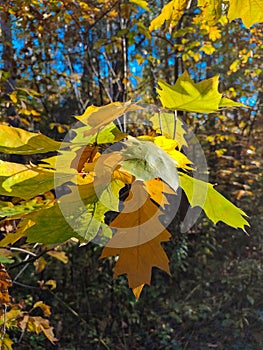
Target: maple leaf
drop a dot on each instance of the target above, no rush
(156, 189)
(97, 117)
(137, 239)
(211, 10)
(216, 206)
(185, 95)
(146, 161)
(250, 11)
(19, 141)
(168, 145)
(107, 134)
(28, 181)
(171, 12)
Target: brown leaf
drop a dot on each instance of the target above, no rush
(138, 240)
(83, 155)
(5, 283)
(137, 262)
(39, 324)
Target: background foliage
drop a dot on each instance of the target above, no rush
(58, 57)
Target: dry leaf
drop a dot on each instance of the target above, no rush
(138, 239)
(5, 283)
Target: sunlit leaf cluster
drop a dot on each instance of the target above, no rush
(70, 194)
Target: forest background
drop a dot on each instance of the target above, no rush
(58, 58)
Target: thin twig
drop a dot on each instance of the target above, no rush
(175, 120)
(75, 87)
(160, 121)
(19, 250)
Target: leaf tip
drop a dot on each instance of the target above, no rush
(137, 291)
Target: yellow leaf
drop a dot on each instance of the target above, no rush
(164, 123)
(181, 160)
(40, 264)
(165, 143)
(211, 10)
(214, 33)
(171, 12)
(124, 176)
(11, 238)
(6, 343)
(202, 97)
(208, 48)
(61, 256)
(61, 129)
(39, 324)
(168, 145)
(50, 284)
(156, 189)
(5, 283)
(13, 96)
(141, 3)
(83, 155)
(98, 117)
(250, 11)
(45, 308)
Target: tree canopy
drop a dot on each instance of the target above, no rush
(100, 105)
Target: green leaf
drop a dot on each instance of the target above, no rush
(72, 217)
(78, 214)
(108, 134)
(19, 141)
(185, 95)
(250, 11)
(227, 103)
(5, 260)
(28, 181)
(146, 161)
(16, 211)
(216, 206)
(110, 195)
(46, 226)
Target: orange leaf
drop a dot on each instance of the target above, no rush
(156, 189)
(39, 324)
(138, 239)
(5, 282)
(137, 262)
(137, 291)
(44, 307)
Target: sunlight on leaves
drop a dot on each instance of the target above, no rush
(250, 11)
(216, 206)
